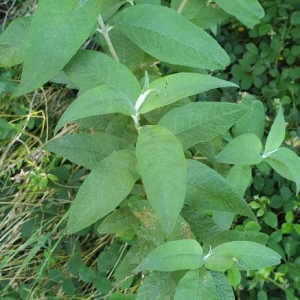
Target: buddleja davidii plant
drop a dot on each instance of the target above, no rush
(185, 202)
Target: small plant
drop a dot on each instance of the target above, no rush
(160, 174)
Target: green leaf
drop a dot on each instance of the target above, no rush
(173, 256)
(201, 224)
(242, 150)
(123, 127)
(169, 37)
(248, 12)
(207, 189)
(118, 221)
(103, 190)
(160, 154)
(234, 277)
(224, 290)
(240, 177)
(286, 163)
(13, 42)
(276, 134)
(109, 7)
(98, 101)
(157, 286)
(169, 89)
(150, 229)
(89, 69)
(209, 16)
(196, 285)
(57, 31)
(271, 219)
(253, 121)
(243, 256)
(128, 52)
(201, 121)
(235, 235)
(86, 149)
(190, 9)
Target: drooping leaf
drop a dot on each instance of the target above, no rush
(190, 9)
(235, 235)
(150, 228)
(157, 286)
(239, 177)
(57, 31)
(89, 69)
(128, 52)
(276, 134)
(201, 224)
(196, 285)
(224, 290)
(163, 170)
(248, 12)
(118, 221)
(98, 101)
(13, 42)
(253, 121)
(207, 189)
(122, 127)
(155, 115)
(209, 16)
(201, 121)
(286, 163)
(243, 255)
(103, 190)
(173, 256)
(169, 37)
(86, 149)
(242, 150)
(109, 7)
(172, 88)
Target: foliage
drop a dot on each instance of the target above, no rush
(169, 167)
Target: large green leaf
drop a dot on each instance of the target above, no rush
(172, 88)
(13, 42)
(248, 12)
(209, 16)
(235, 235)
(286, 163)
(224, 290)
(201, 121)
(89, 69)
(207, 189)
(128, 52)
(86, 149)
(202, 225)
(157, 286)
(169, 37)
(196, 285)
(173, 256)
(98, 101)
(190, 9)
(242, 150)
(103, 190)
(239, 177)
(243, 255)
(276, 134)
(253, 121)
(57, 31)
(163, 170)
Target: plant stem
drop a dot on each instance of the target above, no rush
(104, 30)
(181, 6)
